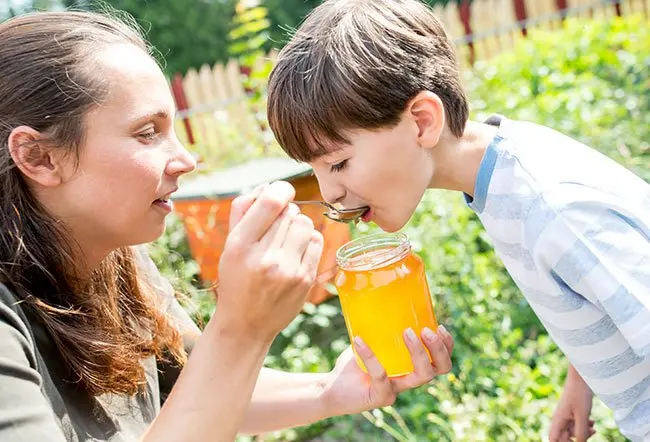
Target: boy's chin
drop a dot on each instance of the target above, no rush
(390, 226)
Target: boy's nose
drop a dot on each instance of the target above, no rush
(331, 192)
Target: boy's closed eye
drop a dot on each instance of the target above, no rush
(339, 166)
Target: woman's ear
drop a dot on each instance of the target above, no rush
(34, 158)
(428, 112)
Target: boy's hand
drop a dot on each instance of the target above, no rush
(349, 390)
(571, 418)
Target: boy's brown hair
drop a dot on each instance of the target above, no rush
(355, 64)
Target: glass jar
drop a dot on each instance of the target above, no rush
(383, 291)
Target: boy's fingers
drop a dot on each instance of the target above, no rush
(581, 429)
(565, 436)
(560, 434)
(263, 212)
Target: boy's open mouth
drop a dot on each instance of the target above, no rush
(367, 215)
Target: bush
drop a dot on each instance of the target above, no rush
(590, 81)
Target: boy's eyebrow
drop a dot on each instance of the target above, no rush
(333, 155)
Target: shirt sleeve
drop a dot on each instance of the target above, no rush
(599, 248)
(25, 413)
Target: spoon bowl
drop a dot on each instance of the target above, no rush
(339, 215)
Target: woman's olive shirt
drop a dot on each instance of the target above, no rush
(39, 403)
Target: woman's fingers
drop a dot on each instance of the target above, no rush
(425, 369)
(274, 236)
(298, 237)
(422, 365)
(437, 347)
(312, 255)
(262, 213)
(377, 373)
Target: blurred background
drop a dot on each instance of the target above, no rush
(579, 66)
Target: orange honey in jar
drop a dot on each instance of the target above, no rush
(383, 291)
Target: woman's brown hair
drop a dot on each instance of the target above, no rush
(104, 324)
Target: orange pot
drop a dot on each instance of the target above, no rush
(203, 204)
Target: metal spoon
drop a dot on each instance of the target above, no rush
(339, 215)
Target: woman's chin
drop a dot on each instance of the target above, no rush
(145, 236)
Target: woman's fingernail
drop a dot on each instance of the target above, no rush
(443, 329)
(411, 336)
(359, 342)
(259, 189)
(428, 334)
(293, 209)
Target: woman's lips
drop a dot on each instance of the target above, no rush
(166, 205)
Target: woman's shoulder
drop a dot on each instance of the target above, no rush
(15, 328)
(6, 295)
(10, 306)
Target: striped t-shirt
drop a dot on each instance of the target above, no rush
(573, 230)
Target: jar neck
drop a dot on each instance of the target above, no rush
(373, 252)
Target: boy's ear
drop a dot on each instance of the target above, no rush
(428, 112)
(34, 158)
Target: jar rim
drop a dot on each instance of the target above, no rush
(352, 255)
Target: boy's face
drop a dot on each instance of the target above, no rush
(386, 169)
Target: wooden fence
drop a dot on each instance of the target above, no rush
(215, 116)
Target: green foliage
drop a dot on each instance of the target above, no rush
(590, 82)
(187, 33)
(190, 33)
(250, 31)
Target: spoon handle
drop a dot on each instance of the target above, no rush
(321, 203)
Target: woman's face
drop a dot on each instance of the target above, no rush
(130, 161)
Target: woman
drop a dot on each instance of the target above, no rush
(91, 337)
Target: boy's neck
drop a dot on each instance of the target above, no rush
(456, 161)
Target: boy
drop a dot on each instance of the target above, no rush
(368, 92)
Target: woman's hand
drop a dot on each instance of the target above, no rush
(349, 389)
(269, 261)
(267, 267)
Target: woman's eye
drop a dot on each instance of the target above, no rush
(149, 135)
(339, 166)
